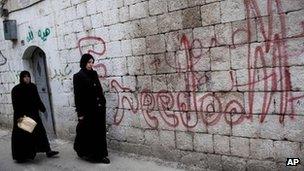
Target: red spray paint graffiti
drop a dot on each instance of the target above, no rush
(175, 108)
(275, 44)
(208, 108)
(210, 111)
(101, 68)
(90, 39)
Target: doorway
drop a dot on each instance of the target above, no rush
(39, 69)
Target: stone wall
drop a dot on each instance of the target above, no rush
(208, 83)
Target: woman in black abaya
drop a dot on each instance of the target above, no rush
(26, 101)
(90, 141)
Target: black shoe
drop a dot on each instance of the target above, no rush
(80, 154)
(105, 160)
(21, 161)
(51, 153)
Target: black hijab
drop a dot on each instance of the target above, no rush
(22, 75)
(85, 59)
(83, 63)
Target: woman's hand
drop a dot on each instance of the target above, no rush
(80, 118)
(20, 119)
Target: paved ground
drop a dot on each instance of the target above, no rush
(69, 161)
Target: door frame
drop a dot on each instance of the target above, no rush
(28, 65)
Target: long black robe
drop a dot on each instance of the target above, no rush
(26, 101)
(90, 140)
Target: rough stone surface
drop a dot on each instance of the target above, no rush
(203, 143)
(155, 44)
(221, 144)
(139, 10)
(261, 149)
(239, 146)
(210, 84)
(233, 163)
(285, 149)
(258, 165)
(232, 10)
(157, 7)
(184, 141)
(211, 14)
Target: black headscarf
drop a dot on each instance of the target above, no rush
(23, 74)
(85, 59)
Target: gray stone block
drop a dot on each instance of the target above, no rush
(117, 133)
(184, 140)
(195, 159)
(272, 128)
(239, 56)
(167, 138)
(294, 129)
(211, 14)
(159, 83)
(152, 137)
(176, 4)
(285, 149)
(243, 34)
(166, 153)
(239, 146)
(134, 148)
(138, 46)
(195, 2)
(139, 10)
(282, 167)
(124, 14)
(258, 165)
(294, 26)
(135, 135)
(157, 7)
(220, 59)
(149, 26)
(110, 17)
(203, 142)
(248, 128)
(130, 2)
(233, 163)
(170, 21)
(232, 10)
(221, 144)
(191, 18)
(223, 34)
(215, 162)
(156, 44)
(261, 149)
(297, 75)
(135, 65)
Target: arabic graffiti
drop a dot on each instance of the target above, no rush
(30, 35)
(42, 34)
(3, 59)
(62, 73)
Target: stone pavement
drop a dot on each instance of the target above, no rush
(68, 160)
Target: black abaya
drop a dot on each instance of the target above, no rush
(26, 101)
(90, 140)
